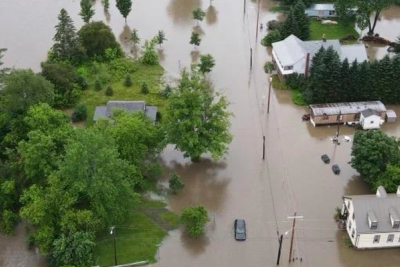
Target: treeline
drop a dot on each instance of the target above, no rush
(296, 23)
(376, 157)
(333, 80)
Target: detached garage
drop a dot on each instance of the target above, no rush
(370, 119)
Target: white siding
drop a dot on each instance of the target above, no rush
(371, 122)
(367, 241)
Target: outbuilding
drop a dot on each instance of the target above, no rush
(106, 112)
(391, 116)
(321, 11)
(372, 221)
(370, 119)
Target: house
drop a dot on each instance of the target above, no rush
(293, 55)
(349, 113)
(373, 221)
(128, 106)
(370, 119)
(321, 11)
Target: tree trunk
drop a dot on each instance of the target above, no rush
(377, 13)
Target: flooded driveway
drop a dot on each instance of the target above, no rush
(291, 179)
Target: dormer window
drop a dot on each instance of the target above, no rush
(372, 220)
(394, 218)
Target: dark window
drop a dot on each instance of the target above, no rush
(390, 238)
(377, 238)
(331, 12)
(352, 233)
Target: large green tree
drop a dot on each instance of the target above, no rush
(207, 62)
(96, 38)
(302, 20)
(372, 151)
(194, 218)
(197, 120)
(87, 11)
(124, 7)
(66, 44)
(389, 179)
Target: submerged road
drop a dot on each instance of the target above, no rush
(291, 179)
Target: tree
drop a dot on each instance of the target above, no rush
(144, 89)
(97, 85)
(66, 45)
(128, 80)
(207, 62)
(195, 39)
(194, 218)
(135, 37)
(389, 179)
(198, 15)
(160, 37)
(65, 81)
(368, 12)
(372, 151)
(149, 55)
(124, 7)
(96, 38)
(2, 50)
(106, 4)
(23, 89)
(291, 25)
(87, 10)
(197, 121)
(73, 250)
(109, 91)
(175, 183)
(301, 19)
(80, 113)
(272, 37)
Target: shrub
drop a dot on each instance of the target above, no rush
(128, 80)
(80, 113)
(109, 91)
(271, 37)
(175, 183)
(194, 218)
(144, 89)
(8, 221)
(274, 25)
(296, 81)
(97, 85)
(149, 55)
(166, 92)
(269, 67)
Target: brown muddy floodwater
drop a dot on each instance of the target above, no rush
(242, 185)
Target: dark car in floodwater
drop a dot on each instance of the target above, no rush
(240, 230)
(336, 169)
(325, 158)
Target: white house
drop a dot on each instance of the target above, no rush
(373, 221)
(293, 55)
(370, 119)
(321, 10)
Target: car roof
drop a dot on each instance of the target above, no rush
(240, 222)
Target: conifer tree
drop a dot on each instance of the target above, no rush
(124, 7)
(290, 26)
(301, 19)
(135, 37)
(87, 10)
(161, 37)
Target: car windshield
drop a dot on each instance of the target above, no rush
(240, 231)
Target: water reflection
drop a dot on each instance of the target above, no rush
(195, 55)
(194, 246)
(107, 15)
(124, 36)
(211, 15)
(181, 10)
(161, 54)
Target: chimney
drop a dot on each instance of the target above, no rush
(381, 192)
(307, 65)
(323, 37)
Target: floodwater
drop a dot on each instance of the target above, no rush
(291, 179)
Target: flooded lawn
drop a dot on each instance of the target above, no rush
(291, 179)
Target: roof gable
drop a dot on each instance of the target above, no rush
(290, 50)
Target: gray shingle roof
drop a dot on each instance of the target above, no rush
(290, 50)
(129, 106)
(346, 108)
(378, 207)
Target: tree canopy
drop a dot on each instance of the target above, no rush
(207, 62)
(87, 10)
(194, 218)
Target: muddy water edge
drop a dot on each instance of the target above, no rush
(242, 185)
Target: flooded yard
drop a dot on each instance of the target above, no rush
(291, 179)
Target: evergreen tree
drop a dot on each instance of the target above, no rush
(87, 10)
(66, 45)
(290, 26)
(128, 80)
(160, 37)
(135, 37)
(106, 4)
(301, 19)
(345, 81)
(198, 15)
(109, 91)
(352, 85)
(144, 89)
(124, 7)
(195, 39)
(383, 80)
(394, 83)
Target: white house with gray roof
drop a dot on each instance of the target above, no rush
(293, 55)
(128, 106)
(373, 221)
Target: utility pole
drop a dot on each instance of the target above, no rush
(263, 147)
(291, 240)
(244, 7)
(251, 58)
(279, 251)
(338, 124)
(112, 231)
(269, 93)
(258, 16)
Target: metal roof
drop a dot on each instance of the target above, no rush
(354, 52)
(380, 207)
(369, 112)
(289, 51)
(346, 108)
(322, 7)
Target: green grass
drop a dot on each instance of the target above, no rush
(331, 31)
(149, 74)
(138, 237)
(297, 98)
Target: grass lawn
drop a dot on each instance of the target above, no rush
(331, 31)
(138, 237)
(150, 74)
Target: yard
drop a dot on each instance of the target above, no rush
(138, 237)
(317, 30)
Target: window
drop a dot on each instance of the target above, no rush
(390, 238)
(353, 233)
(372, 122)
(288, 67)
(331, 12)
(377, 238)
(326, 117)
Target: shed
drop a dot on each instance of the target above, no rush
(391, 116)
(321, 11)
(128, 106)
(370, 119)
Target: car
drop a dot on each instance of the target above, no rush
(240, 230)
(336, 169)
(325, 158)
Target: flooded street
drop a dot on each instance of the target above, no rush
(291, 179)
